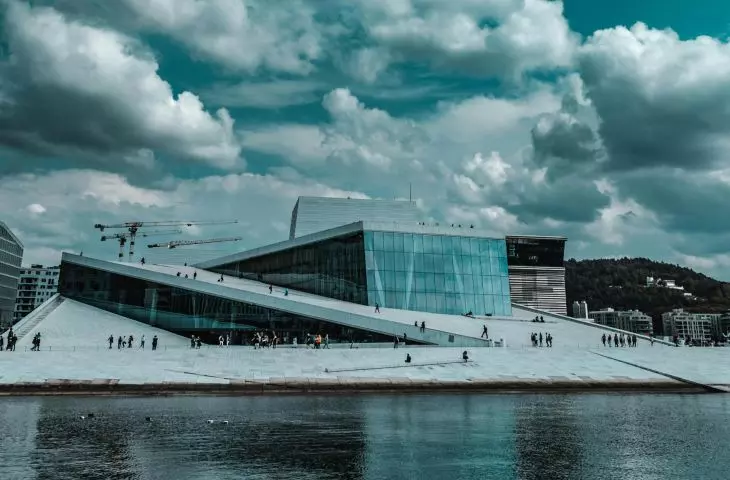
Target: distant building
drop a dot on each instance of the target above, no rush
(580, 309)
(698, 326)
(11, 256)
(722, 325)
(631, 320)
(37, 284)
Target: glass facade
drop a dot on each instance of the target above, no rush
(437, 273)
(333, 268)
(187, 312)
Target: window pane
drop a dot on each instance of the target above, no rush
(418, 262)
(440, 282)
(505, 286)
(430, 282)
(388, 241)
(503, 269)
(465, 248)
(397, 242)
(400, 281)
(389, 263)
(407, 242)
(378, 240)
(489, 304)
(438, 264)
(468, 284)
(496, 285)
(427, 244)
(437, 244)
(449, 284)
(400, 262)
(487, 288)
(446, 245)
(418, 242)
(484, 246)
(474, 246)
(419, 280)
(466, 261)
(448, 264)
(368, 239)
(440, 303)
(428, 262)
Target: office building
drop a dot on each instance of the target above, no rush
(580, 310)
(697, 326)
(37, 284)
(11, 257)
(629, 320)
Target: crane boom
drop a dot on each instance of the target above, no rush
(165, 223)
(181, 243)
(133, 227)
(141, 234)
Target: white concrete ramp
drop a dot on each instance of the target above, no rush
(74, 325)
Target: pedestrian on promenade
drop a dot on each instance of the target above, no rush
(465, 356)
(271, 288)
(141, 343)
(192, 341)
(377, 308)
(195, 275)
(408, 358)
(405, 339)
(154, 342)
(603, 339)
(111, 341)
(615, 340)
(119, 342)
(286, 292)
(327, 341)
(485, 332)
(129, 344)
(423, 327)
(651, 339)
(540, 337)
(220, 340)
(2, 342)
(395, 341)
(633, 339)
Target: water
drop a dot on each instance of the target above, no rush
(368, 437)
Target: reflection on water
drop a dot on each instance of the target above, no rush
(373, 437)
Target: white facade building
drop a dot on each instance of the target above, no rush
(698, 326)
(11, 256)
(631, 320)
(580, 309)
(37, 284)
(316, 214)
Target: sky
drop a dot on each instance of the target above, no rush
(606, 121)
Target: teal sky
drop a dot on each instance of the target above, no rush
(506, 114)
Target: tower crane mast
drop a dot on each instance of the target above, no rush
(123, 237)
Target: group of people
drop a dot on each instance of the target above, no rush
(538, 319)
(195, 342)
(619, 340)
(317, 341)
(12, 340)
(537, 339)
(129, 341)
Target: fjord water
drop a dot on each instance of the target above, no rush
(596, 436)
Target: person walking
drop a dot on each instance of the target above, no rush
(485, 332)
(154, 342)
(141, 342)
(377, 308)
(111, 341)
(603, 339)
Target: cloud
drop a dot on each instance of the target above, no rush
(243, 35)
(662, 101)
(70, 87)
(269, 94)
(76, 199)
(486, 38)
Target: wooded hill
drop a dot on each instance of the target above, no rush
(621, 284)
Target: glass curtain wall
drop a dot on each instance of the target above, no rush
(186, 312)
(437, 273)
(333, 268)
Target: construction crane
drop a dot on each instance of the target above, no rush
(182, 243)
(123, 237)
(133, 227)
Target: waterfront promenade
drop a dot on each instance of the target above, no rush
(75, 358)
